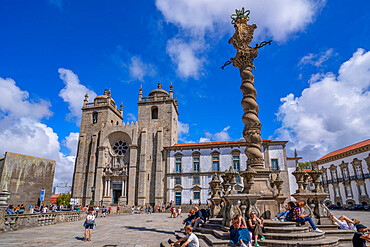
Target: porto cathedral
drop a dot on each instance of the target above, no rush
(140, 163)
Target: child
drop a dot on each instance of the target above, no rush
(359, 239)
(191, 240)
(239, 234)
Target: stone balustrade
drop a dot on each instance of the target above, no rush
(18, 221)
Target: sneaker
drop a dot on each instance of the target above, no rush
(282, 220)
(256, 244)
(318, 230)
(262, 238)
(243, 245)
(275, 219)
(249, 244)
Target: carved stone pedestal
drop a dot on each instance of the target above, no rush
(216, 207)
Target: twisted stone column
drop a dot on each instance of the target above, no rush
(244, 61)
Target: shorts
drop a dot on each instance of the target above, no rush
(89, 226)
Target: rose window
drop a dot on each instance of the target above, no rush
(120, 148)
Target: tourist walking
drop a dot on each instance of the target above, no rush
(256, 227)
(132, 209)
(179, 212)
(190, 240)
(302, 218)
(359, 238)
(109, 209)
(89, 222)
(31, 209)
(117, 211)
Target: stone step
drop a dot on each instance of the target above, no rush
(279, 223)
(295, 236)
(216, 226)
(215, 220)
(327, 242)
(217, 233)
(340, 232)
(212, 240)
(327, 227)
(287, 229)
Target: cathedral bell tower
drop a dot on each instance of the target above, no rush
(157, 119)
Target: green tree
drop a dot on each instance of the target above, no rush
(63, 199)
(306, 165)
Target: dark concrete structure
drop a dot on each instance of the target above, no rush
(24, 177)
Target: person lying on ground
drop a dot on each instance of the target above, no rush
(344, 222)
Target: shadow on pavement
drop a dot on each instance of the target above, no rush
(147, 229)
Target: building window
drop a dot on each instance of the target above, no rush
(120, 148)
(361, 190)
(348, 191)
(95, 118)
(196, 195)
(274, 164)
(345, 173)
(358, 171)
(196, 164)
(336, 191)
(177, 180)
(334, 176)
(178, 164)
(196, 180)
(155, 112)
(238, 179)
(236, 162)
(216, 163)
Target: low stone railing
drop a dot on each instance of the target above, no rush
(19, 221)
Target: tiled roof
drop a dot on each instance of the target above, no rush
(346, 149)
(219, 143)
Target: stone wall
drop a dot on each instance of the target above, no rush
(24, 177)
(21, 221)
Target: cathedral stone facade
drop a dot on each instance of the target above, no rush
(124, 164)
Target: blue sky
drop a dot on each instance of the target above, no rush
(312, 82)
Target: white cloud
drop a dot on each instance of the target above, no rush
(182, 128)
(131, 117)
(184, 55)
(21, 130)
(316, 59)
(15, 103)
(73, 93)
(205, 21)
(333, 112)
(223, 135)
(204, 139)
(138, 69)
(71, 142)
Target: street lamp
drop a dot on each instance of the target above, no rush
(92, 195)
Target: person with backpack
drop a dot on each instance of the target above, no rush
(302, 218)
(283, 215)
(89, 222)
(205, 214)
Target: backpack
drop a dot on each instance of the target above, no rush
(290, 215)
(204, 213)
(90, 219)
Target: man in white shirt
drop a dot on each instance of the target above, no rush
(191, 240)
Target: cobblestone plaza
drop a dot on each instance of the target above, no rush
(117, 230)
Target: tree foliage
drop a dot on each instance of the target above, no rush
(306, 165)
(63, 199)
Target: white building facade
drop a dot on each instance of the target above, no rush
(192, 165)
(347, 175)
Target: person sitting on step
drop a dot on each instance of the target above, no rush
(190, 217)
(239, 234)
(190, 240)
(198, 219)
(256, 227)
(344, 222)
(359, 238)
(283, 215)
(302, 218)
